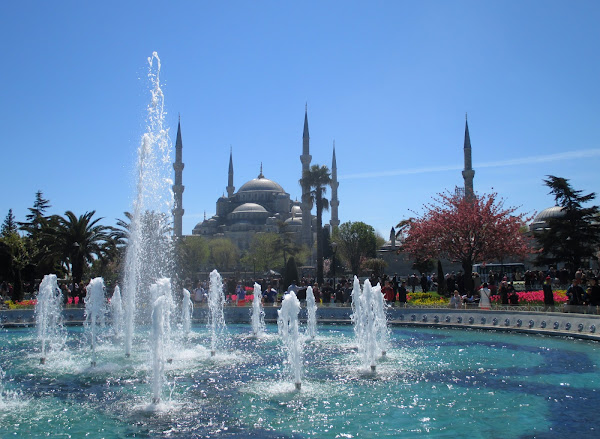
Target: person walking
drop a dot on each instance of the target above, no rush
(456, 300)
(484, 297)
(388, 293)
(575, 293)
(548, 294)
(402, 293)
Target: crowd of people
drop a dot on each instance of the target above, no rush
(582, 290)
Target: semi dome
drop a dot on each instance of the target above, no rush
(261, 184)
(249, 212)
(250, 208)
(293, 221)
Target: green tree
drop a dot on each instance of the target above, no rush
(9, 225)
(376, 265)
(573, 236)
(192, 253)
(317, 178)
(42, 259)
(15, 257)
(77, 241)
(223, 253)
(36, 216)
(356, 240)
(264, 252)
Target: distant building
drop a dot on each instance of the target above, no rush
(260, 205)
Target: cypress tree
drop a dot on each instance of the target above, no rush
(573, 236)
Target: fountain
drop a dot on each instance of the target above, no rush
(48, 316)
(116, 307)
(258, 313)
(95, 311)
(435, 382)
(216, 318)
(187, 307)
(148, 255)
(311, 311)
(287, 322)
(364, 316)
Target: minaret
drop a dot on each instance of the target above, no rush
(468, 173)
(305, 158)
(334, 203)
(230, 187)
(178, 186)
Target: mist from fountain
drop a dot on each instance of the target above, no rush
(1, 387)
(258, 313)
(95, 311)
(116, 306)
(157, 346)
(370, 331)
(187, 307)
(287, 323)
(148, 254)
(382, 331)
(162, 290)
(216, 317)
(311, 311)
(369, 349)
(357, 317)
(48, 316)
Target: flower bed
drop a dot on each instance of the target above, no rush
(427, 299)
(535, 297)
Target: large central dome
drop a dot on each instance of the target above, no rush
(261, 184)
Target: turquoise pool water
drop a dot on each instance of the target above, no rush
(433, 382)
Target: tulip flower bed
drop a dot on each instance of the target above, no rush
(24, 304)
(426, 299)
(535, 297)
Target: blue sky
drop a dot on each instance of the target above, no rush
(390, 82)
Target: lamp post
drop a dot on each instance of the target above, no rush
(334, 250)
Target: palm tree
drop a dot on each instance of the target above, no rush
(78, 240)
(317, 178)
(121, 232)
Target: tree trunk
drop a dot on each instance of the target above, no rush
(441, 279)
(319, 204)
(17, 294)
(468, 278)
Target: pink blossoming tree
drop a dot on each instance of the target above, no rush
(469, 230)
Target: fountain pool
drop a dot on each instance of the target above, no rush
(438, 382)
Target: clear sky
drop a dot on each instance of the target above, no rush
(389, 81)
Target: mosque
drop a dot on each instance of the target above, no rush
(260, 205)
